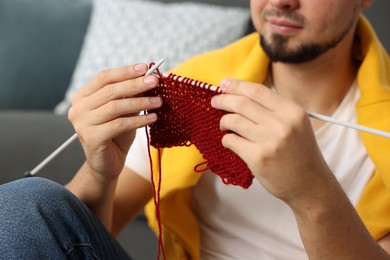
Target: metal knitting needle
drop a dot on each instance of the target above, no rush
(51, 156)
(154, 67)
(310, 114)
(195, 83)
(63, 146)
(349, 125)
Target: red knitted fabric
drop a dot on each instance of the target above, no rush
(186, 117)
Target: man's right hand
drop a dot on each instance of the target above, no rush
(106, 113)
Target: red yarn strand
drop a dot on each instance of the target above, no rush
(156, 196)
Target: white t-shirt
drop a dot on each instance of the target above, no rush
(252, 224)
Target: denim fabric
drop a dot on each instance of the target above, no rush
(40, 219)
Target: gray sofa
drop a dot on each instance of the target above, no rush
(39, 48)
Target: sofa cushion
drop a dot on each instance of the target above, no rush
(39, 47)
(123, 32)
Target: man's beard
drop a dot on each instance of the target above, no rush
(304, 53)
(277, 51)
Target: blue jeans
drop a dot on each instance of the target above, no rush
(40, 219)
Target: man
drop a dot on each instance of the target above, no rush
(318, 56)
(315, 59)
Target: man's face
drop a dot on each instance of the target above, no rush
(297, 31)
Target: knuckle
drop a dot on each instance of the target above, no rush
(134, 85)
(138, 121)
(296, 120)
(272, 150)
(147, 103)
(112, 107)
(255, 92)
(110, 92)
(230, 120)
(297, 114)
(284, 133)
(103, 75)
(137, 104)
(118, 123)
(258, 158)
(73, 115)
(234, 119)
(126, 123)
(125, 70)
(241, 102)
(79, 131)
(140, 102)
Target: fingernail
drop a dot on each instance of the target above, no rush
(225, 83)
(150, 80)
(155, 100)
(151, 116)
(140, 68)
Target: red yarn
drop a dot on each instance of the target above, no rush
(186, 117)
(156, 198)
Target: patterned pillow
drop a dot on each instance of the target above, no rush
(124, 32)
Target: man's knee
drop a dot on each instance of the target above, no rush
(28, 191)
(34, 214)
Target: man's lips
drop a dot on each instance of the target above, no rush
(285, 27)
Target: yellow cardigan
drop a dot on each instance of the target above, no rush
(245, 60)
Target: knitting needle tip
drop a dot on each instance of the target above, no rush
(154, 67)
(28, 174)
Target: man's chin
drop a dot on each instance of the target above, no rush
(277, 51)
